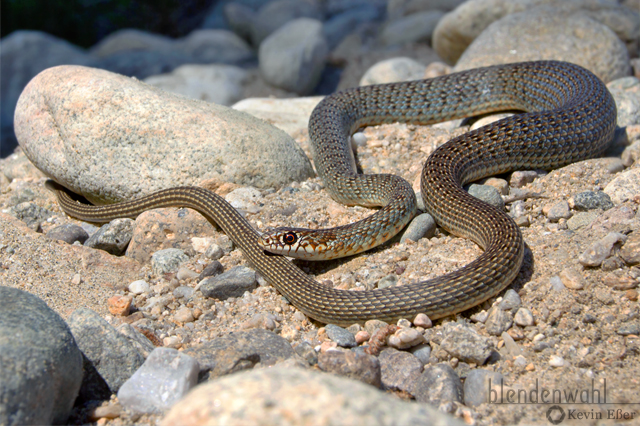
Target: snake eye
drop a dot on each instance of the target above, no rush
(289, 238)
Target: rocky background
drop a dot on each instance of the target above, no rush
(115, 324)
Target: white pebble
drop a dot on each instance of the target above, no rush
(556, 361)
(138, 287)
(422, 320)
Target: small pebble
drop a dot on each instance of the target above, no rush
(405, 338)
(184, 315)
(214, 252)
(422, 320)
(523, 317)
(511, 300)
(601, 249)
(559, 211)
(572, 278)
(590, 200)
(362, 336)
(556, 283)
(341, 336)
(422, 226)
(556, 361)
(497, 321)
(119, 305)
(521, 178)
(139, 287)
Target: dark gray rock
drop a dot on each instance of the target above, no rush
(307, 352)
(488, 194)
(341, 336)
(478, 386)
(69, 233)
(466, 344)
(422, 352)
(108, 354)
(142, 344)
(211, 270)
(629, 328)
(438, 384)
(421, 226)
(232, 283)
(40, 363)
(240, 351)
(353, 364)
(112, 237)
(399, 369)
(590, 200)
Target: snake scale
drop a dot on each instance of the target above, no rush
(570, 117)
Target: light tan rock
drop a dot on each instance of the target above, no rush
(110, 137)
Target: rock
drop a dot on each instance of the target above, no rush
(293, 396)
(497, 321)
(559, 211)
(130, 39)
(572, 278)
(294, 56)
(372, 326)
(23, 55)
(601, 249)
(405, 338)
(214, 252)
(278, 13)
(215, 46)
(590, 200)
(466, 344)
(341, 336)
(510, 301)
(521, 178)
(548, 33)
(164, 378)
(211, 140)
(556, 361)
(119, 305)
(458, 29)
(479, 385)
(437, 385)
(581, 219)
(69, 233)
(625, 186)
(220, 84)
(398, 8)
(416, 27)
(340, 26)
(352, 364)
(139, 341)
(627, 103)
(556, 283)
(393, 70)
(289, 115)
(246, 200)
(240, 351)
(31, 214)
(629, 328)
(109, 357)
(388, 281)
(422, 352)
(139, 287)
(161, 229)
(232, 283)
(112, 237)
(40, 363)
(488, 194)
(422, 320)
(167, 261)
(399, 370)
(240, 18)
(423, 225)
(630, 251)
(523, 317)
(211, 270)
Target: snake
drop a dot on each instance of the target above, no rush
(568, 116)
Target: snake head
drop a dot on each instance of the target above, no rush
(294, 242)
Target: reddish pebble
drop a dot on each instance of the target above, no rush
(119, 305)
(362, 336)
(325, 346)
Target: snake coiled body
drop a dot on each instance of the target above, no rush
(571, 117)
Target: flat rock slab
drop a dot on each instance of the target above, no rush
(111, 137)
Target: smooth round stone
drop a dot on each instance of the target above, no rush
(110, 137)
(139, 287)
